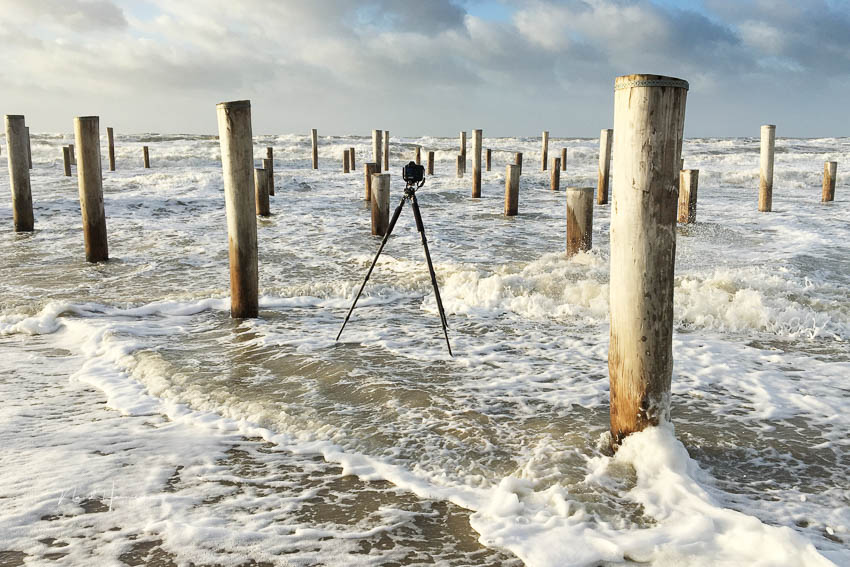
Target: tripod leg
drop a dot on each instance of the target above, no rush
(421, 228)
(375, 261)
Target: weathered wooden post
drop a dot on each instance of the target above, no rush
(386, 150)
(377, 145)
(579, 219)
(563, 159)
(518, 161)
(351, 158)
(380, 203)
(418, 156)
(261, 191)
(268, 165)
(66, 160)
(237, 164)
(544, 151)
(73, 155)
(688, 184)
(511, 190)
(17, 155)
(430, 163)
(29, 149)
(476, 162)
(314, 141)
(768, 143)
(603, 181)
(830, 171)
(90, 184)
(111, 139)
(555, 174)
(345, 167)
(371, 169)
(459, 166)
(146, 157)
(463, 150)
(487, 159)
(649, 115)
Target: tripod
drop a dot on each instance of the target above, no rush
(409, 195)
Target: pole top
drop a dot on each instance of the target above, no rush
(233, 104)
(629, 81)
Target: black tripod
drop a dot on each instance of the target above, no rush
(409, 195)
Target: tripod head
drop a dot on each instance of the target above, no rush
(414, 178)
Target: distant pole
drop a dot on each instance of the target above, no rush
(649, 116)
(371, 168)
(351, 158)
(111, 139)
(346, 168)
(314, 140)
(17, 155)
(377, 145)
(477, 136)
(688, 183)
(29, 149)
(386, 150)
(830, 171)
(511, 190)
(768, 144)
(579, 219)
(563, 159)
(555, 174)
(73, 155)
(603, 182)
(518, 161)
(463, 151)
(146, 157)
(488, 155)
(430, 163)
(261, 191)
(237, 164)
(459, 166)
(268, 165)
(418, 156)
(544, 150)
(66, 159)
(90, 183)
(380, 203)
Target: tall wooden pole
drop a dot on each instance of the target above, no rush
(66, 160)
(386, 150)
(111, 139)
(688, 184)
(487, 159)
(463, 152)
(544, 151)
(90, 183)
(518, 161)
(146, 157)
(555, 174)
(511, 190)
(371, 168)
(17, 155)
(563, 159)
(768, 143)
(380, 203)
(237, 164)
(377, 149)
(649, 116)
(430, 163)
(314, 141)
(477, 136)
(604, 174)
(579, 219)
(830, 171)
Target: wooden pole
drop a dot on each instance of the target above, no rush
(268, 165)
(555, 174)
(511, 190)
(371, 168)
(377, 149)
(146, 157)
(463, 151)
(66, 159)
(459, 166)
(380, 203)
(90, 183)
(73, 155)
(544, 151)
(603, 181)
(111, 139)
(261, 191)
(488, 158)
(768, 144)
(314, 141)
(430, 163)
(649, 116)
(688, 183)
(351, 158)
(237, 164)
(518, 161)
(29, 149)
(563, 159)
(418, 155)
(17, 155)
(386, 150)
(830, 171)
(477, 136)
(579, 219)
(345, 167)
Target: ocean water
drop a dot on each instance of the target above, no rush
(140, 424)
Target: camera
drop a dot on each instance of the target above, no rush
(413, 173)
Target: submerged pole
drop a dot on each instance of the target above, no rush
(314, 142)
(603, 181)
(511, 190)
(649, 115)
(459, 166)
(380, 203)
(476, 162)
(90, 183)
(830, 171)
(579, 219)
(768, 145)
(555, 174)
(237, 164)
(17, 156)
(146, 157)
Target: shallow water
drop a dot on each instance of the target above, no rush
(226, 442)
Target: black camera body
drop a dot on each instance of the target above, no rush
(412, 173)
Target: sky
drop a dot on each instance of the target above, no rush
(423, 67)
